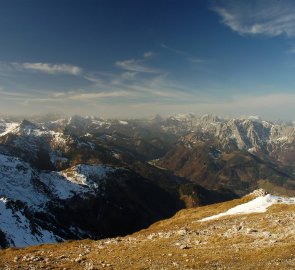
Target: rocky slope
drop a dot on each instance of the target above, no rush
(248, 233)
(238, 171)
(236, 154)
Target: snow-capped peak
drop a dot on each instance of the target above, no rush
(7, 127)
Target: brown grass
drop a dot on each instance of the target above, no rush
(215, 251)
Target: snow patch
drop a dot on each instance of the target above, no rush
(282, 139)
(258, 205)
(123, 122)
(88, 175)
(252, 150)
(116, 155)
(60, 186)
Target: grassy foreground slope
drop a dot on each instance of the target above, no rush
(251, 241)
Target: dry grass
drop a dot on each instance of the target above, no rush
(274, 189)
(216, 244)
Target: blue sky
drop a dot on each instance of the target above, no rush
(141, 57)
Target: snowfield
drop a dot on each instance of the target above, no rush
(88, 175)
(17, 182)
(60, 186)
(257, 205)
(18, 228)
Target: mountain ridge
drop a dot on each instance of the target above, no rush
(185, 160)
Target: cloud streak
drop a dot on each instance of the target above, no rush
(134, 81)
(187, 55)
(261, 17)
(90, 96)
(133, 66)
(136, 65)
(49, 68)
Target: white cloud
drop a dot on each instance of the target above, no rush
(148, 55)
(264, 17)
(146, 97)
(136, 65)
(90, 96)
(129, 75)
(49, 68)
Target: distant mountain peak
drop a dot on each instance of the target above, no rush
(27, 124)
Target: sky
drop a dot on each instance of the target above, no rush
(138, 58)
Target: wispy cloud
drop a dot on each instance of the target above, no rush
(49, 68)
(136, 65)
(148, 55)
(13, 95)
(90, 96)
(264, 17)
(129, 75)
(187, 55)
(134, 81)
(174, 50)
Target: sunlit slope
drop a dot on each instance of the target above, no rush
(262, 240)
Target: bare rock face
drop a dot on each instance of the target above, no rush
(263, 138)
(259, 192)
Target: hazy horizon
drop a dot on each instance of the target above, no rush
(136, 59)
(55, 116)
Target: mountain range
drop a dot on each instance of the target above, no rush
(87, 177)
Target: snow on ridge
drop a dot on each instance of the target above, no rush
(18, 229)
(84, 175)
(16, 128)
(254, 117)
(182, 116)
(9, 127)
(282, 139)
(16, 182)
(123, 122)
(94, 170)
(60, 185)
(257, 205)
